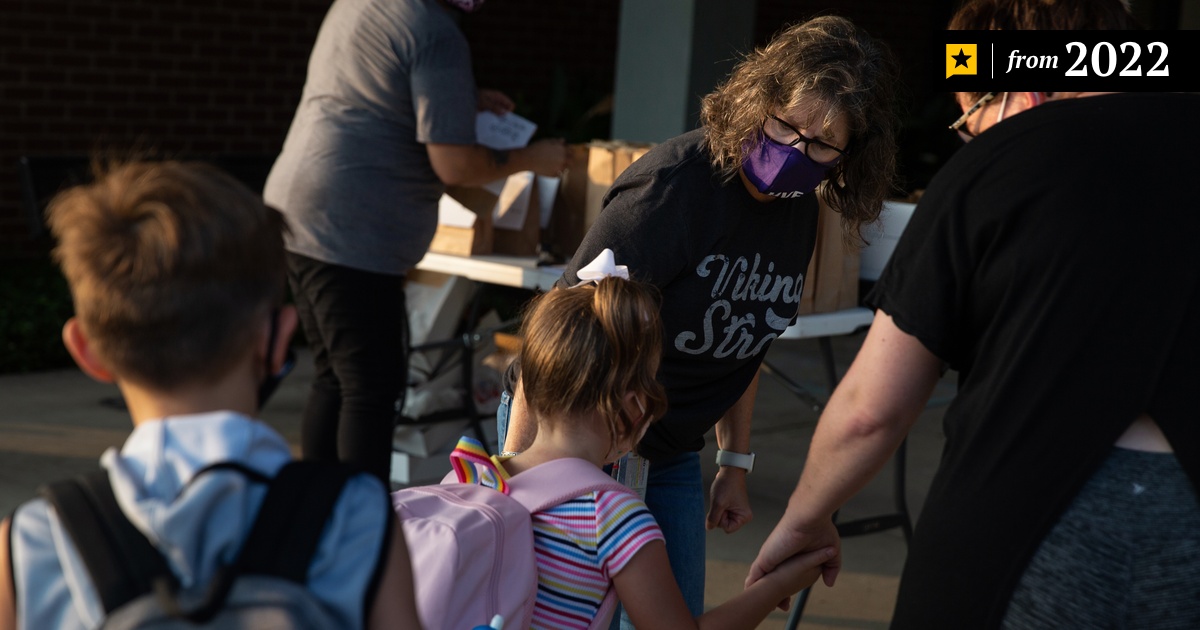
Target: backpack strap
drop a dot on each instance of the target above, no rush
(283, 539)
(292, 518)
(541, 487)
(11, 568)
(472, 464)
(120, 560)
(547, 485)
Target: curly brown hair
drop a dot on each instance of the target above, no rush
(584, 348)
(826, 61)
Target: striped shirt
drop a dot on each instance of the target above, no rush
(581, 544)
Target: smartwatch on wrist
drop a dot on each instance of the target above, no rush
(737, 460)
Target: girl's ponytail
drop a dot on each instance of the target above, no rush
(585, 348)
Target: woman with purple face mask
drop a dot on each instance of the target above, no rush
(723, 221)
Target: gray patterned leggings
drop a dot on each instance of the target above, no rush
(1125, 554)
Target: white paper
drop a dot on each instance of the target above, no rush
(503, 132)
(513, 204)
(547, 188)
(453, 213)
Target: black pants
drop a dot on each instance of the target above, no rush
(356, 324)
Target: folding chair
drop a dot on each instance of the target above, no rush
(882, 240)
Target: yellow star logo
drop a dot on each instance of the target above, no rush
(961, 59)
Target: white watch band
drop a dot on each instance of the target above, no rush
(737, 460)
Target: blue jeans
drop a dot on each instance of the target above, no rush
(675, 496)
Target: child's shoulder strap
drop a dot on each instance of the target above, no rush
(547, 485)
(123, 564)
(539, 488)
(120, 560)
(288, 529)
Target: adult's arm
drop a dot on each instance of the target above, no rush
(729, 502)
(867, 417)
(476, 165)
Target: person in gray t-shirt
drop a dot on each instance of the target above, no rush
(386, 120)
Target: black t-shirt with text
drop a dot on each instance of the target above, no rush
(730, 270)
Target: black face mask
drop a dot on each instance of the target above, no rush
(272, 380)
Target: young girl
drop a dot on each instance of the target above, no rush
(588, 363)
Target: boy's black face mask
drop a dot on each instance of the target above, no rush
(272, 380)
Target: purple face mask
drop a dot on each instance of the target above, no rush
(782, 171)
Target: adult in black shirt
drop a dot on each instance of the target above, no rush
(723, 220)
(1052, 264)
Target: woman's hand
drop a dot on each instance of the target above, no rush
(548, 157)
(789, 539)
(797, 573)
(729, 502)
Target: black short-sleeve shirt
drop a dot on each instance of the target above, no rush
(1054, 262)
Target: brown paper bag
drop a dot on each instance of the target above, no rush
(472, 241)
(525, 241)
(567, 219)
(600, 173)
(594, 168)
(832, 280)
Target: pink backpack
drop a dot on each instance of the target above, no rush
(471, 545)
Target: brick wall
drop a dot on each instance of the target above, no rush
(180, 76)
(224, 76)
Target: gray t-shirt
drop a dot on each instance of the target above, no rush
(354, 179)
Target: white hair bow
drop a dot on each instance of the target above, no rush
(603, 266)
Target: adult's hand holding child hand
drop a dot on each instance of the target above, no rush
(788, 539)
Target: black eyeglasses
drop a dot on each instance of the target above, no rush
(960, 124)
(780, 132)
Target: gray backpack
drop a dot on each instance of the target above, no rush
(263, 588)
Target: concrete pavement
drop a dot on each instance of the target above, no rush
(56, 424)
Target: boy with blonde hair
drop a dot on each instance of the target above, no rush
(177, 274)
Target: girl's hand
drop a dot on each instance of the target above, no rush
(789, 539)
(798, 572)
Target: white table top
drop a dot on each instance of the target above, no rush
(511, 271)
